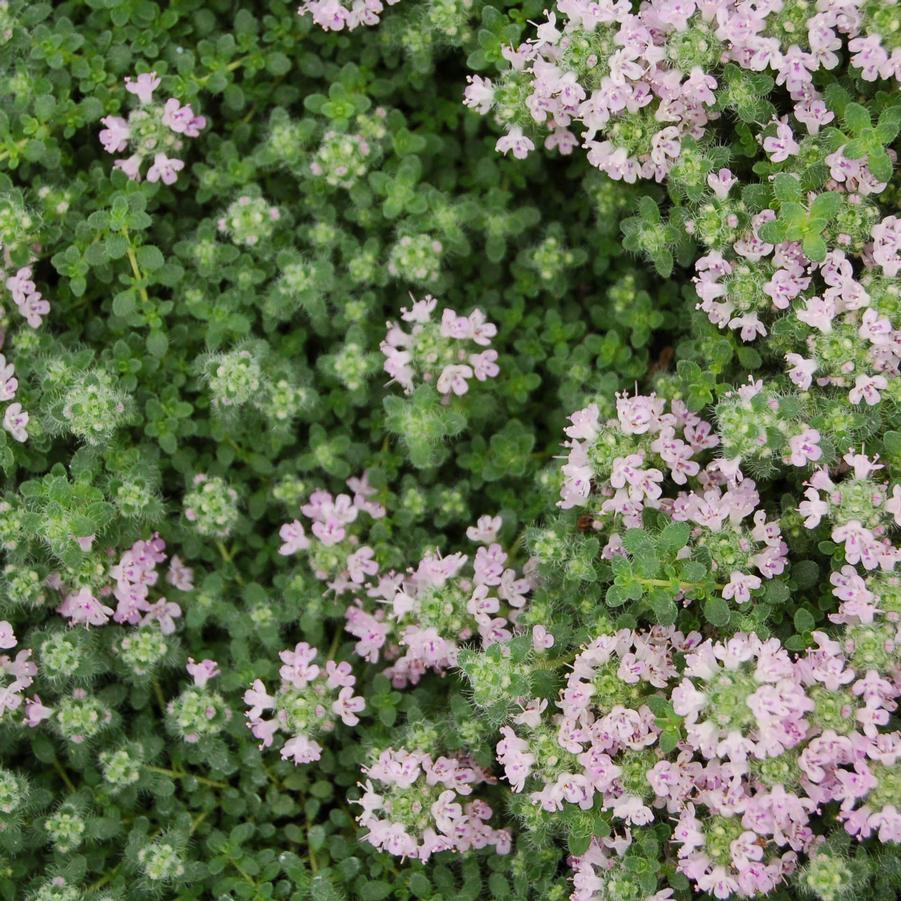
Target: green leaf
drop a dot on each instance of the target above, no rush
(856, 118)
(804, 620)
(419, 885)
(773, 232)
(669, 739)
(888, 125)
(638, 542)
(375, 890)
(673, 537)
(880, 164)
(814, 248)
(786, 188)
(157, 343)
(578, 842)
(716, 612)
(826, 205)
(663, 263)
(648, 210)
(150, 258)
(124, 304)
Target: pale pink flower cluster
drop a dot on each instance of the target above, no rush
(604, 732)
(425, 616)
(751, 417)
(862, 510)
(639, 82)
(153, 131)
(15, 419)
(29, 301)
(440, 353)
(336, 15)
(16, 674)
(414, 806)
(646, 458)
(306, 706)
(769, 741)
(133, 577)
(595, 873)
(850, 335)
(740, 699)
(742, 844)
(333, 548)
(32, 306)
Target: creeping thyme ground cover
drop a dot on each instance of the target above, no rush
(450, 449)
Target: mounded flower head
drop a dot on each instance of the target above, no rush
(212, 506)
(338, 15)
(333, 547)
(153, 131)
(859, 507)
(416, 806)
(427, 614)
(306, 706)
(741, 698)
(447, 353)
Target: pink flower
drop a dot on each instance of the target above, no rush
(887, 245)
(299, 669)
(740, 586)
(202, 672)
(82, 608)
(479, 94)
(258, 699)
(181, 119)
(114, 137)
(541, 638)
(7, 636)
(485, 530)
(515, 141)
(15, 421)
(866, 388)
(818, 313)
(131, 167)
(782, 145)
(721, 182)
(347, 706)
(8, 382)
(453, 379)
(804, 448)
(801, 372)
(36, 712)
(143, 86)
(164, 169)
(179, 575)
(361, 564)
(484, 365)
(301, 749)
(85, 542)
(293, 537)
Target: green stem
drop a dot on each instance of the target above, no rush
(234, 64)
(199, 819)
(554, 662)
(102, 881)
(135, 268)
(63, 775)
(180, 774)
(160, 699)
(228, 557)
(682, 586)
(335, 642)
(19, 145)
(311, 854)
